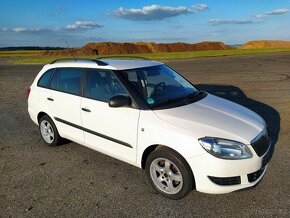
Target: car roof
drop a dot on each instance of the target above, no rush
(131, 64)
(109, 64)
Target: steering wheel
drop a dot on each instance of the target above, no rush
(158, 88)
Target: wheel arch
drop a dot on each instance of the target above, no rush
(41, 114)
(152, 148)
(147, 152)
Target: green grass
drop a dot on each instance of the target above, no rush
(35, 59)
(16, 54)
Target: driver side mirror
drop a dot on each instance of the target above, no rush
(119, 101)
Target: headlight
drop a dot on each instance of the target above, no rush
(225, 149)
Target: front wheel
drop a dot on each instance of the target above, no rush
(169, 173)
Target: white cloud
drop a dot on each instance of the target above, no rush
(214, 34)
(22, 29)
(83, 25)
(76, 26)
(25, 30)
(231, 21)
(260, 15)
(274, 12)
(151, 13)
(201, 7)
(277, 11)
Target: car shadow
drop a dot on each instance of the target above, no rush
(235, 94)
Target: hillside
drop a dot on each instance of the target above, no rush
(114, 48)
(266, 44)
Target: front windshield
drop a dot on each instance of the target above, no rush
(159, 85)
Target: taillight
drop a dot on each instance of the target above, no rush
(28, 91)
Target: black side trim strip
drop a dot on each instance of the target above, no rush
(92, 132)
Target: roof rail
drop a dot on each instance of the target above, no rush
(99, 62)
(123, 56)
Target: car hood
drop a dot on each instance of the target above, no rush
(216, 117)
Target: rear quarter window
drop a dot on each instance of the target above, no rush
(44, 79)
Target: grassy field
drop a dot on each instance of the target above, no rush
(17, 54)
(34, 57)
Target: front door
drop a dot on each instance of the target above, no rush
(112, 131)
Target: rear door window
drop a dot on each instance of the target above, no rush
(67, 80)
(70, 80)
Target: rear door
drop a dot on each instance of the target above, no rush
(63, 99)
(112, 131)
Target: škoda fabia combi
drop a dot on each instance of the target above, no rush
(146, 114)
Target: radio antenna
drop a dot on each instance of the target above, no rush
(70, 50)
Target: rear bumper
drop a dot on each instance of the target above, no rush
(217, 176)
(33, 116)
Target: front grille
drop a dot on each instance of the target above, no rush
(236, 180)
(252, 177)
(261, 144)
(268, 156)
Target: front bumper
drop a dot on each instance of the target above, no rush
(218, 176)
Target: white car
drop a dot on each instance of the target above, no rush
(144, 113)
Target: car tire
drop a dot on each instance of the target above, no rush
(48, 131)
(169, 173)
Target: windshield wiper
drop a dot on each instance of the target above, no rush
(192, 97)
(193, 94)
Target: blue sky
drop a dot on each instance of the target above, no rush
(50, 23)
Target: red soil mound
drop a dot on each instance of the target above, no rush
(266, 44)
(113, 48)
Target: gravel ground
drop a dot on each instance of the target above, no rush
(74, 181)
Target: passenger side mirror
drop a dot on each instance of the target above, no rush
(119, 101)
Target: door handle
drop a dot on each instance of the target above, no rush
(50, 99)
(86, 109)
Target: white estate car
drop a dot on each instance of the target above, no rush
(144, 113)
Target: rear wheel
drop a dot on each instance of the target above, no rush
(48, 131)
(169, 173)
